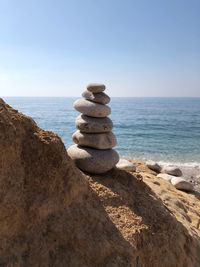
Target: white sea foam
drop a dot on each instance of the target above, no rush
(191, 164)
(190, 169)
(180, 164)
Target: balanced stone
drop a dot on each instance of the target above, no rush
(93, 125)
(92, 109)
(100, 98)
(172, 170)
(96, 87)
(182, 184)
(93, 160)
(98, 140)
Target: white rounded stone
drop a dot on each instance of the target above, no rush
(93, 125)
(182, 184)
(126, 165)
(92, 109)
(93, 160)
(96, 87)
(165, 176)
(95, 140)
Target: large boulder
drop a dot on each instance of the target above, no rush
(51, 214)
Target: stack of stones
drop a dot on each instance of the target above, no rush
(94, 139)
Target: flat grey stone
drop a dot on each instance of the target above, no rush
(93, 125)
(126, 165)
(182, 184)
(152, 165)
(97, 140)
(100, 98)
(92, 109)
(165, 176)
(175, 171)
(92, 160)
(96, 87)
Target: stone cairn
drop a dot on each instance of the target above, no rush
(94, 139)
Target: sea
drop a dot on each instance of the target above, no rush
(166, 130)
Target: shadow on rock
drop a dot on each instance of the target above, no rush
(154, 231)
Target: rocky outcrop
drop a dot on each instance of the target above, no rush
(51, 214)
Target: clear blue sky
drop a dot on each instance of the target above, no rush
(137, 48)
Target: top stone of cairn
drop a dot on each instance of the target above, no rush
(96, 87)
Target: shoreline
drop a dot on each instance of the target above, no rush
(190, 173)
(189, 169)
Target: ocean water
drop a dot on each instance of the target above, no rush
(161, 129)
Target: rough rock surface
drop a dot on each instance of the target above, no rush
(93, 160)
(52, 215)
(93, 125)
(97, 140)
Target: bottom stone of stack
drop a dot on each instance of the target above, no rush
(93, 160)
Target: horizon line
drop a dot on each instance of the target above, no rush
(110, 96)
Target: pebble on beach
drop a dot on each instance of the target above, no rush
(182, 184)
(171, 170)
(152, 165)
(126, 165)
(165, 176)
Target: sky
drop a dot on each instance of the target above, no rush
(137, 48)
